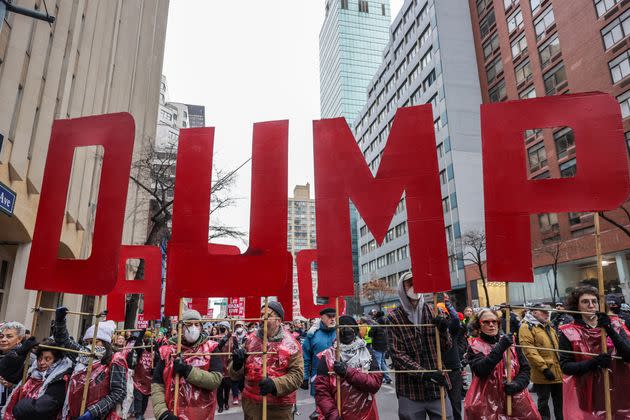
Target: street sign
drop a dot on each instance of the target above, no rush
(7, 199)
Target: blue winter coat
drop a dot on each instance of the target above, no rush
(316, 342)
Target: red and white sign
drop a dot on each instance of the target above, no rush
(141, 322)
(236, 307)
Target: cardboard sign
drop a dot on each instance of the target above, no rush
(408, 165)
(95, 275)
(601, 181)
(150, 286)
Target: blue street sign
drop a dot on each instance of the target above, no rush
(7, 199)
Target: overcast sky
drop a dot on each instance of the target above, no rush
(246, 62)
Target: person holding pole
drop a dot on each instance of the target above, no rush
(414, 348)
(198, 370)
(486, 397)
(319, 338)
(107, 385)
(142, 374)
(583, 373)
(285, 368)
(358, 384)
(537, 331)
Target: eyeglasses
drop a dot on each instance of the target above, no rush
(490, 322)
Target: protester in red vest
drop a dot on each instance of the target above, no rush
(142, 374)
(108, 381)
(358, 385)
(43, 394)
(487, 395)
(285, 368)
(199, 374)
(583, 390)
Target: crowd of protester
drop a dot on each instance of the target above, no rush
(220, 365)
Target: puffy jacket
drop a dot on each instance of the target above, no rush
(316, 342)
(541, 335)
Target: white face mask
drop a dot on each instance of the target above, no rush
(239, 330)
(412, 295)
(191, 334)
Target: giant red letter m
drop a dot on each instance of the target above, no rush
(409, 165)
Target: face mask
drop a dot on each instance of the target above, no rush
(347, 335)
(239, 330)
(412, 295)
(191, 334)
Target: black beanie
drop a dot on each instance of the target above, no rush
(276, 307)
(347, 320)
(328, 311)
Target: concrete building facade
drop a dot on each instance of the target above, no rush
(427, 61)
(98, 57)
(533, 48)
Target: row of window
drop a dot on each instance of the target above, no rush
(363, 230)
(399, 254)
(395, 232)
(565, 145)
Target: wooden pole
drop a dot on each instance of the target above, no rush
(508, 363)
(179, 350)
(438, 349)
(88, 373)
(264, 356)
(27, 360)
(338, 355)
(602, 305)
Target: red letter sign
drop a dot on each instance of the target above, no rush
(150, 286)
(308, 308)
(192, 270)
(601, 181)
(409, 164)
(97, 274)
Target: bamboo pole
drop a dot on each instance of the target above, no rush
(532, 308)
(337, 354)
(264, 356)
(27, 360)
(84, 353)
(438, 349)
(508, 364)
(179, 350)
(88, 373)
(69, 312)
(224, 319)
(563, 351)
(602, 305)
(258, 353)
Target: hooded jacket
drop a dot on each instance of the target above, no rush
(534, 333)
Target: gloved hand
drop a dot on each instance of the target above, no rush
(437, 378)
(549, 375)
(267, 386)
(505, 342)
(180, 367)
(511, 388)
(26, 347)
(238, 358)
(602, 360)
(441, 323)
(168, 415)
(603, 320)
(304, 384)
(60, 314)
(340, 368)
(86, 416)
(223, 341)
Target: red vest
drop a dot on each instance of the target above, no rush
(486, 398)
(277, 366)
(583, 396)
(29, 390)
(98, 388)
(142, 373)
(194, 403)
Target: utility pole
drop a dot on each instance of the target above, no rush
(8, 6)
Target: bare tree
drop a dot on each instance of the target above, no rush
(616, 223)
(553, 251)
(474, 243)
(377, 291)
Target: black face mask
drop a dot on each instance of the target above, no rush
(347, 335)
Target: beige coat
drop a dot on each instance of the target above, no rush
(539, 360)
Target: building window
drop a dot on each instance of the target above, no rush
(548, 50)
(486, 24)
(426, 59)
(620, 67)
(543, 22)
(509, 3)
(528, 94)
(617, 30)
(568, 168)
(555, 80)
(523, 72)
(535, 5)
(383, 9)
(537, 157)
(429, 80)
(494, 69)
(548, 222)
(443, 177)
(519, 46)
(624, 102)
(344, 4)
(497, 93)
(602, 6)
(565, 142)
(515, 21)
(363, 6)
(490, 46)
(481, 6)
(445, 206)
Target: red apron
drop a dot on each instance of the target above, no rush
(98, 388)
(583, 396)
(29, 390)
(142, 373)
(277, 366)
(194, 403)
(486, 398)
(355, 404)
